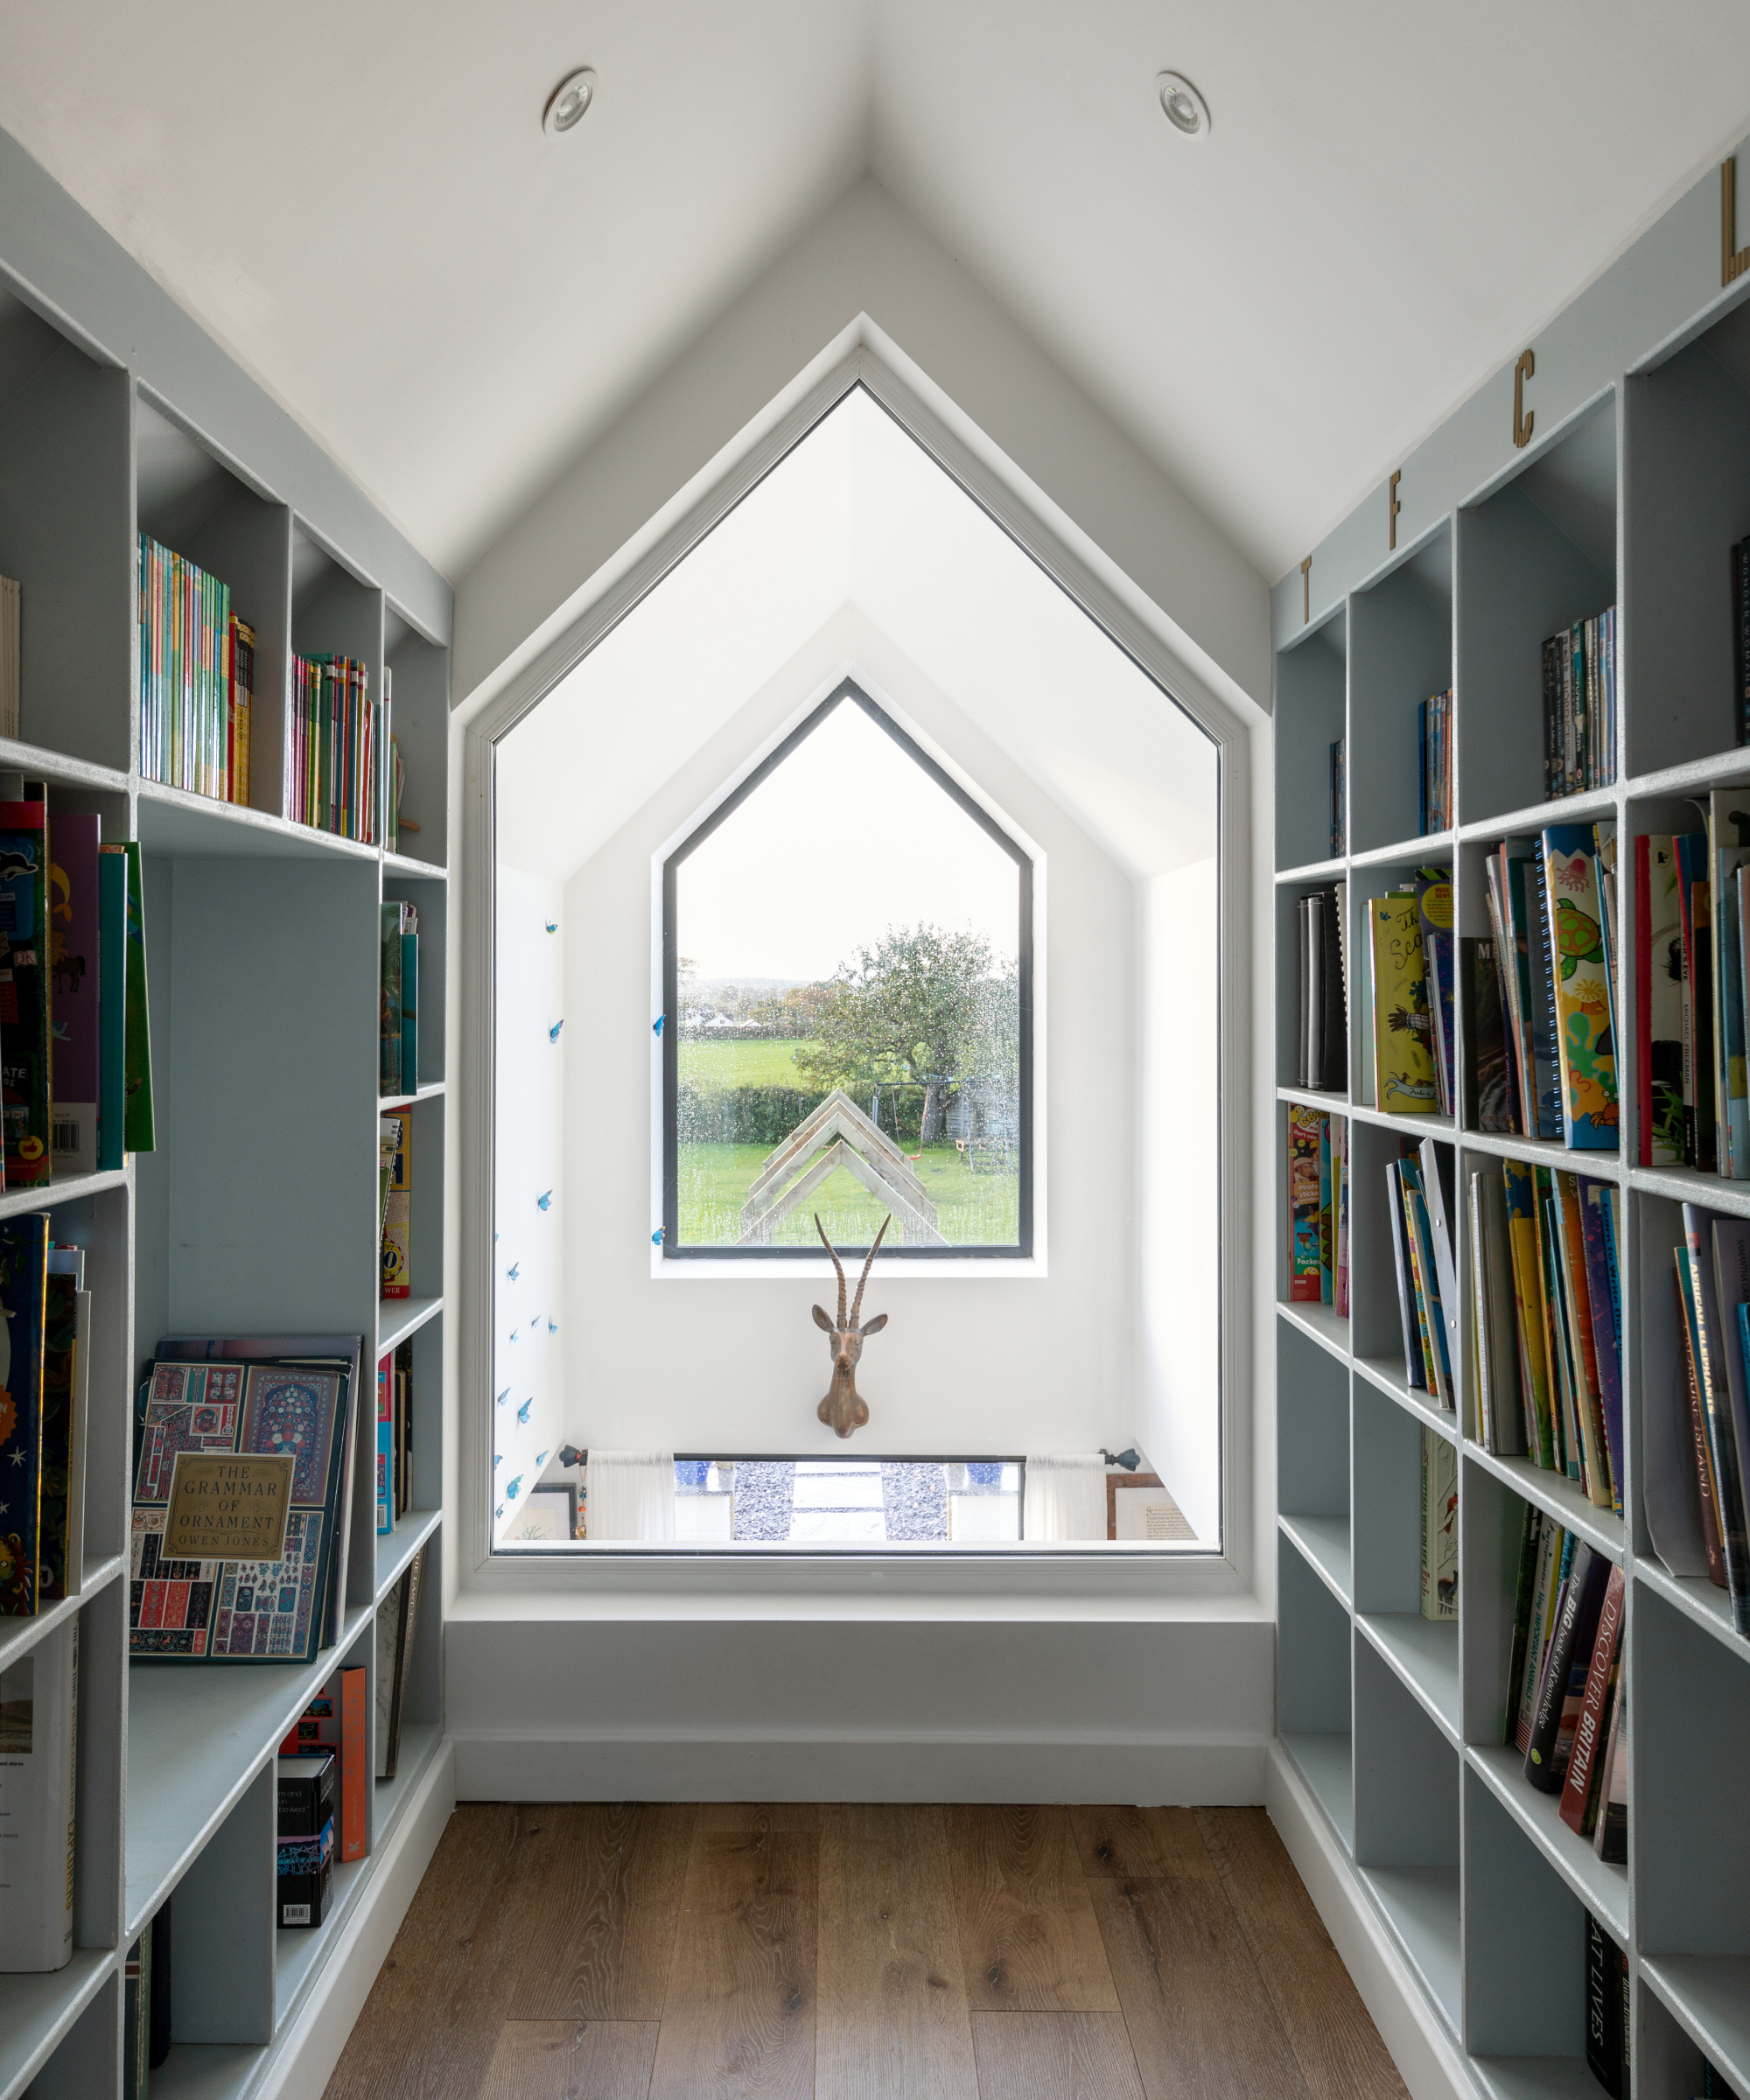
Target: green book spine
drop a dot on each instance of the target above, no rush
(112, 1004)
(410, 1011)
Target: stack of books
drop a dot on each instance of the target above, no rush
(1580, 706)
(1318, 1209)
(1417, 1197)
(196, 678)
(1692, 905)
(1434, 738)
(1567, 1715)
(1544, 989)
(1546, 1283)
(1322, 1037)
(338, 741)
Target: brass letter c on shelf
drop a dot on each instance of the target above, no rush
(1734, 260)
(1526, 368)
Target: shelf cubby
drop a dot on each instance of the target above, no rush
(1686, 438)
(1532, 558)
(420, 725)
(430, 896)
(195, 504)
(1311, 688)
(1406, 1830)
(1313, 1697)
(1424, 1653)
(85, 2056)
(66, 535)
(1400, 654)
(1524, 1952)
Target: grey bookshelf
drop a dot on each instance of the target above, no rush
(257, 1211)
(1632, 491)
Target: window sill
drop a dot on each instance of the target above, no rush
(1018, 1268)
(1095, 1586)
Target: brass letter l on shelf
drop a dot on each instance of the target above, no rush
(1392, 507)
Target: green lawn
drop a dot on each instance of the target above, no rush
(741, 1064)
(977, 1209)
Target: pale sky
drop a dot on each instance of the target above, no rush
(846, 838)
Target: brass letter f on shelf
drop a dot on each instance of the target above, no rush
(1526, 368)
(1734, 260)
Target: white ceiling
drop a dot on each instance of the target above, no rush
(354, 196)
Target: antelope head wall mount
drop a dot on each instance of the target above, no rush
(844, 1409)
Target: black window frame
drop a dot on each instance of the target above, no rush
(1022, 1248)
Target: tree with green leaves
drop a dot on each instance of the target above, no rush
(915, 1009)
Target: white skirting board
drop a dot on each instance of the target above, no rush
(1427, 2060)
(305, 2060)
(600, 1767)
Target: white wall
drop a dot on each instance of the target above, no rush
(529, 1326)
(1178, 1250)
(980, 1364)
(1004, 397)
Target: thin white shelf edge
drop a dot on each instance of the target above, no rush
(1328, 1766)
(19, 1635)
(1425, 1655)
(397, 1317)
(1602, 1887)
(1323, 1544)
(37, 2011)
(395, 1549)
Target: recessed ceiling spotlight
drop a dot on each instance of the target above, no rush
(1185, 108)
(569, 103)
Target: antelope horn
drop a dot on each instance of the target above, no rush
(837, 1264)
(857, 1303)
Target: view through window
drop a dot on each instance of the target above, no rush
(848, 965)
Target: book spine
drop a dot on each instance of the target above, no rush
(1545, 1597)
(396, 1244)
(112, 995)
(1712, 1522)
(1577, 1804)
(1610, 1832)
(1305, 1126)
(1570, 1651)
(1414, 1374)
(1596, 1234)
(1439, 1527)
(1722, 1445)
(385, 1453)
(1524, 1591)
(355, 1766)
(1608, 2024)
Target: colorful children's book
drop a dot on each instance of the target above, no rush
(24, 1279)
(1403, 1059)
(385, 1453)
(1528, 1306)
(278, 1431)
(396, 1250)
(409, 999)
(1728, 825)
(388, 1043)
(1588, 1051)
(1434, 912)
(73, 914)
(1597, 1232)
(1659, 1001)
(1305, 1128)
(24, 1015)
(1439, 1526)
(1699, 1127)
(1327, 1218)
(64, 1412)
(137, 1134)
(1489, 1075)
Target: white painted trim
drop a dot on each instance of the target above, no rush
(1427, 2059)
(1138, 628)
(821, 1768)
(305, 2058)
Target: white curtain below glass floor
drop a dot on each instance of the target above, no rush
(828, 1501)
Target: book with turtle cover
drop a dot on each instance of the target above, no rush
(397, 1211)
(283, 1429)
(1575, 928)
(1403, 1048)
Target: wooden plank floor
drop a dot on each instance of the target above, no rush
(638, 1951)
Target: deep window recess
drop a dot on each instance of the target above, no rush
(847, 962)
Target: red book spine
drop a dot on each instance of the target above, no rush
(1589, 1729)
(1643, 1001)
(355, 1766)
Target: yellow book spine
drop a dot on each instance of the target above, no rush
(1403, 1051)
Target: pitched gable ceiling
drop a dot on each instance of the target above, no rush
(358, 200)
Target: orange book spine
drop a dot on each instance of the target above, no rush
(355, 1765)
